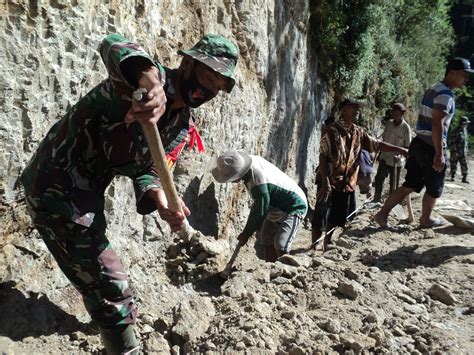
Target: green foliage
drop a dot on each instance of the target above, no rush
(384, 50)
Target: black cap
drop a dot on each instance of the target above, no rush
(329, 120)
(464, 119)
(350, 102)
(399, 106)
(459, 63)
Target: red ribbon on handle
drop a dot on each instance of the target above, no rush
(193, 138)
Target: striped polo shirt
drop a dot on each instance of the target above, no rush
(271, 187)
(440, 97)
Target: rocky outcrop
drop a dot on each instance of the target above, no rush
(49, 60)
(369, 292)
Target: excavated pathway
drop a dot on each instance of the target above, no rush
(404, 289)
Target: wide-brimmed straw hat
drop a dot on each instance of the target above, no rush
(231, 166)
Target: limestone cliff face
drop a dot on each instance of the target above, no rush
(49, 59)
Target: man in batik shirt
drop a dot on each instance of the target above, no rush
(101, 137)
(339, 158)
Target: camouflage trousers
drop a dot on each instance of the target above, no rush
(456, 157)
(87, 259)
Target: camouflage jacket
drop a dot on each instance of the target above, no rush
(91, 144)
(457, 140)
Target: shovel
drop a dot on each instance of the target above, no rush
(228, 268)
(411, 217)
(398, 209)
(155, 145)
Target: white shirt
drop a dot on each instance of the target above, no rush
(397, 135)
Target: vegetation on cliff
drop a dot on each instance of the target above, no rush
(383, 50)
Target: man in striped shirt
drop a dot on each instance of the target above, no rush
(426, 164)
(279, 203)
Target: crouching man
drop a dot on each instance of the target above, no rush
(279, 203)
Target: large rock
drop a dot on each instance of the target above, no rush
(211, 246)
(350, 289)
(238, 285)
(331, 326)
(156, 344)
(374, 317)
(192, 317)
(279, 269)
(442, 294)
(357, 342)
(293, 260)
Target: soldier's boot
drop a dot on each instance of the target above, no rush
(452, 176)
(464, 179)
(120, 340)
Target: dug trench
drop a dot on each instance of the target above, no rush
(402, 289)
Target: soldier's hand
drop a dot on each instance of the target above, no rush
(438, 162)
(151, 108)
(176, 220)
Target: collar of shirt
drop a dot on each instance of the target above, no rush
(348, 128)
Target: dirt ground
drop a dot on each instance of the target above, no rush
(403, 289)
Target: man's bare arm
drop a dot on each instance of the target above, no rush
(438, 118)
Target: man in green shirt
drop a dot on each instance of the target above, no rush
(279, 203)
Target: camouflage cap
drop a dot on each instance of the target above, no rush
(218, 53)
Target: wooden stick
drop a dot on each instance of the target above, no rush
(411, 217)
(228, 268)
(152, 136)
(153, 139)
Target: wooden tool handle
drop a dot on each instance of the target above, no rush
(153, 139)
(411, 217)
(234, 256)
(228, 268)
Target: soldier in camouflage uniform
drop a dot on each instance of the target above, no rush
(101, 137)
(457, 143)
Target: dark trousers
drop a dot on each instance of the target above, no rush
(333, 212)
(456, 157)
(383, 171)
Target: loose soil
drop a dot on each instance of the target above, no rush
(402, 289)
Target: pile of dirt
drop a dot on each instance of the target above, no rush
(404, 290)
(195, 259)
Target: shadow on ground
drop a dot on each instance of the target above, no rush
(211, 285)
(407, 257)
(453, 231)
(35, 315)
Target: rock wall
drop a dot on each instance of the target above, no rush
(49, 59)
